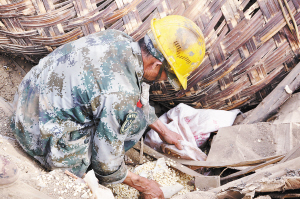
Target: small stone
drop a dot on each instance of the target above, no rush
(85, 195)
(42, 184)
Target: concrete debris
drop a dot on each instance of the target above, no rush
(253, 141)
(98, 190)
(274, 178)
(205, 183)
(169, 191)
(290, 111)
(263, 197)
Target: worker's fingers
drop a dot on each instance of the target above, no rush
(178, 145)
(152, 191)
(179, 137)
(177, 142)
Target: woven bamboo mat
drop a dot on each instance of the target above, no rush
(251, 44)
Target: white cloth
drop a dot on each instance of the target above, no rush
(194, 125)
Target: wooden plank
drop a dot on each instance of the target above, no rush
(295, 152)
(276, 171)
(276, 98)
(210, 164)
(252, 168)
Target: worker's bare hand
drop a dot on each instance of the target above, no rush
(171, 137)
(152, 191)
(148, 188)
(166, 134)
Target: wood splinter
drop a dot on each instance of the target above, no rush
(71, 174)
(142, 151)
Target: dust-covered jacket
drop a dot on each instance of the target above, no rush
(78, 106)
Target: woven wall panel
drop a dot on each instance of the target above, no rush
(250, 47)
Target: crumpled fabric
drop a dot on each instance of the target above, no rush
(194, 125)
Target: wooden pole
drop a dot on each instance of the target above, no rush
(270, 105)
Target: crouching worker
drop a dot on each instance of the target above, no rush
(81, 105)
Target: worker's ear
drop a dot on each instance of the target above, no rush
(156, 64)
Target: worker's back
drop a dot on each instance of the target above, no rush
(89, 84)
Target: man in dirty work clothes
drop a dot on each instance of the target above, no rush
(81, 106)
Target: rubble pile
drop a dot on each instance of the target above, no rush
(62, 186)
(166, 176)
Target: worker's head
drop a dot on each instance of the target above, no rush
(152, 60)
(182, 44)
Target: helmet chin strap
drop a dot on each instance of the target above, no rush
(159, 73)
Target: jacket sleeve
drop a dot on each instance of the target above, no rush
(152, 115)
(111, 112)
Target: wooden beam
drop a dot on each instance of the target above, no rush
(252, 168)
(294, 153)
(277, 170)
(209, 164)
(270, 105)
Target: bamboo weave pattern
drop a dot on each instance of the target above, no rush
(250, 44)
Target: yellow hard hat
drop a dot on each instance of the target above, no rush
(181, 42)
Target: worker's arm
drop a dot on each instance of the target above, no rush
(149, 188)
(166, 134)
